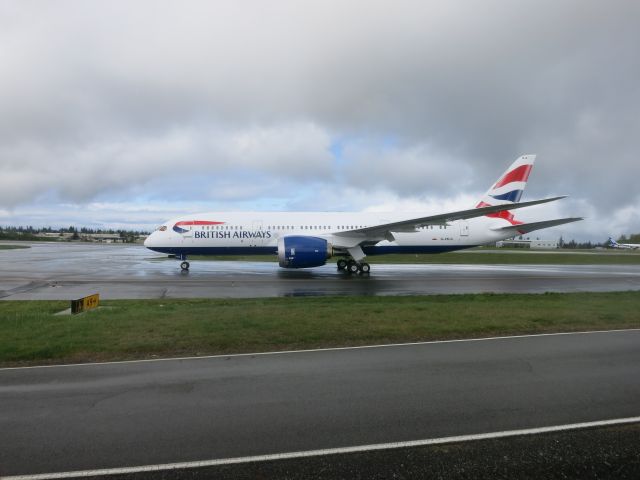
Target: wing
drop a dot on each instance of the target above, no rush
(530, 227)
(384, 231)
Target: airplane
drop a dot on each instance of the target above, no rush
(309, 239)
(628, 246)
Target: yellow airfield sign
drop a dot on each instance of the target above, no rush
(85, 303)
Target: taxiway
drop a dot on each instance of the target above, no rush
(64, 271)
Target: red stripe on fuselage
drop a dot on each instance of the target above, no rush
(520, 174)
(197, 222)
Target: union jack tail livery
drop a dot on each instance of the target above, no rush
(509, 188)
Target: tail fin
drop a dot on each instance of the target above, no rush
(612, 242)
(509, 187)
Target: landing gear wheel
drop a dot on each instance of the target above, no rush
(352, 267)
(184, 266)
(365, 268)
(342, 264)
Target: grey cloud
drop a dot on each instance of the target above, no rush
(80, 172)
(102, 97)
(415, 170)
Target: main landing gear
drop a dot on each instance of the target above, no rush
(353, 267)
(184, 266)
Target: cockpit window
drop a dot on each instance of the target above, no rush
(162, 228)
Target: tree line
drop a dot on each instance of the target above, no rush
(571, 244)
(31, 233)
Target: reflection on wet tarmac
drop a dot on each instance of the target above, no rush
(64, 271)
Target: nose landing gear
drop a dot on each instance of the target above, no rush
(184, 265)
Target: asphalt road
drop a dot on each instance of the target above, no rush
(585, 454)
(67, 271)
(138, 413)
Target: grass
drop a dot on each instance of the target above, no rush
(127, 329)
(476, 257)
(511, 257)
(13, 247)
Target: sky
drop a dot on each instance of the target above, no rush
(123, 114)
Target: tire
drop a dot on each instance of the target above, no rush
(353, 267)
(342, 264)
(184, 265)
(365, 268)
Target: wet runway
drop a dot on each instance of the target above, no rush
(71, 270)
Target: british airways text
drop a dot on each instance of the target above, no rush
(225, 234)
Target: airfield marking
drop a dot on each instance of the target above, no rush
(324, 452)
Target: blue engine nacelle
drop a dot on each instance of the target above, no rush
(303, 252)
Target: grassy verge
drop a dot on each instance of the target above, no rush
(514, 258)
(125, 329)
(476, 257)
(13, 247)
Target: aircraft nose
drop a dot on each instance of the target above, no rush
(148, 241)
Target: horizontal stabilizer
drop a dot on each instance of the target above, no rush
(530, 227)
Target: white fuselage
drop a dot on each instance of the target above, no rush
(626, 246)
(258, 232)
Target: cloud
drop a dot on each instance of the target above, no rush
(240, 102)
(415, 169)
(83, 172)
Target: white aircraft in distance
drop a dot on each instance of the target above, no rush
(309, 239)
(627, 246)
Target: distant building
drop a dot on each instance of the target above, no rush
(102, 237)
(536, 244)
(84, 237)
(54, 235)
(72, 235)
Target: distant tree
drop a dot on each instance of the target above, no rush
(9, 232)
(571, 244)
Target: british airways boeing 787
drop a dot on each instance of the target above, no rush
(309, 239)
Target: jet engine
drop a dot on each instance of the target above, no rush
(303, 252)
